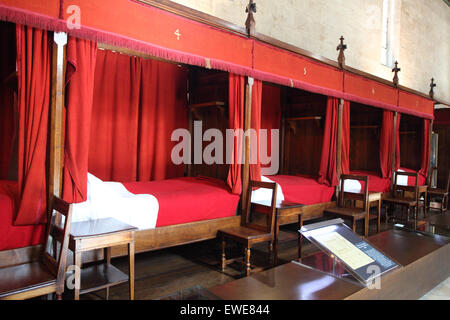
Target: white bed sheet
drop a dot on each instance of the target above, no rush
(263, 194)
(113, 200)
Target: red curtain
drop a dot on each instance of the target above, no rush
(345, 151)
(425, 164)
(327, 171)
(255, 169)
(7, 105)
(270, 113)
(137, 105)
(236, 121)
(397, 144)
(386, 138)
(34, 56)
(80, 68)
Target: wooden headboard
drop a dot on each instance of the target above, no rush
(365, 130)
(208, 102)
(303, 125)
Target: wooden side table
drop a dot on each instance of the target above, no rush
(101, 234)
(284, 210)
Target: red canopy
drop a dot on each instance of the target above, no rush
(142, 27)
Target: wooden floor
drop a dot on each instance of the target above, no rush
(167, 272)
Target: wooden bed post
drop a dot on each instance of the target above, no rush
(283, 93)
(57, 115)
(430, 141)
(394, 149)
(247, 125)
(339, 145)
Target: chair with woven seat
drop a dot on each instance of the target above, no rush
(46, 275)
(249, 233)
(346, 207)
(406, 197)
(441, 193)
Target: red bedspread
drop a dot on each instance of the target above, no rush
(412, 180)
(303, 189)
(376, 183)
(13, 237)
(184, 200)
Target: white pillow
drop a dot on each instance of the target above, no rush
(352, 186)
(263, 194)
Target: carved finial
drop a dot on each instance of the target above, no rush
(432, 85)
(396, 70)
(250, 23)
(341, 47)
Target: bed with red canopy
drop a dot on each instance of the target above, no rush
(188, 40)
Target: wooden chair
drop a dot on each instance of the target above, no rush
(46, 275)
(346, 203)
(249, 233)
(434, 192)
(399, 198)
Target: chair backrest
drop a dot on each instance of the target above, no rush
(398, 190)
(269, 212)
(57, 241)
(345, 195)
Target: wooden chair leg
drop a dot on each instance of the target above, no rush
(271, 257)
(366, 225)
(416, 211)
(379, 217)
(354, 225)
(247, 261)
(130, 269)
(224, 258)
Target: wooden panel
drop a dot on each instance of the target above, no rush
(164, 237)
(206, 86)
(411, 131)
(304, 119)
(365, 130)
(443, 153)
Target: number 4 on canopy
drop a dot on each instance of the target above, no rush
(178, 34)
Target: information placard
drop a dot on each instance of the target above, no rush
(361, 259)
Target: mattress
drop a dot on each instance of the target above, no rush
(376, 183)
(14, 237)
(410, 181)
(187, 199)
(303, 189)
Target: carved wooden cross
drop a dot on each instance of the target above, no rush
(396, 70)
(250, 23)
(432, 85)
(341, 47)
